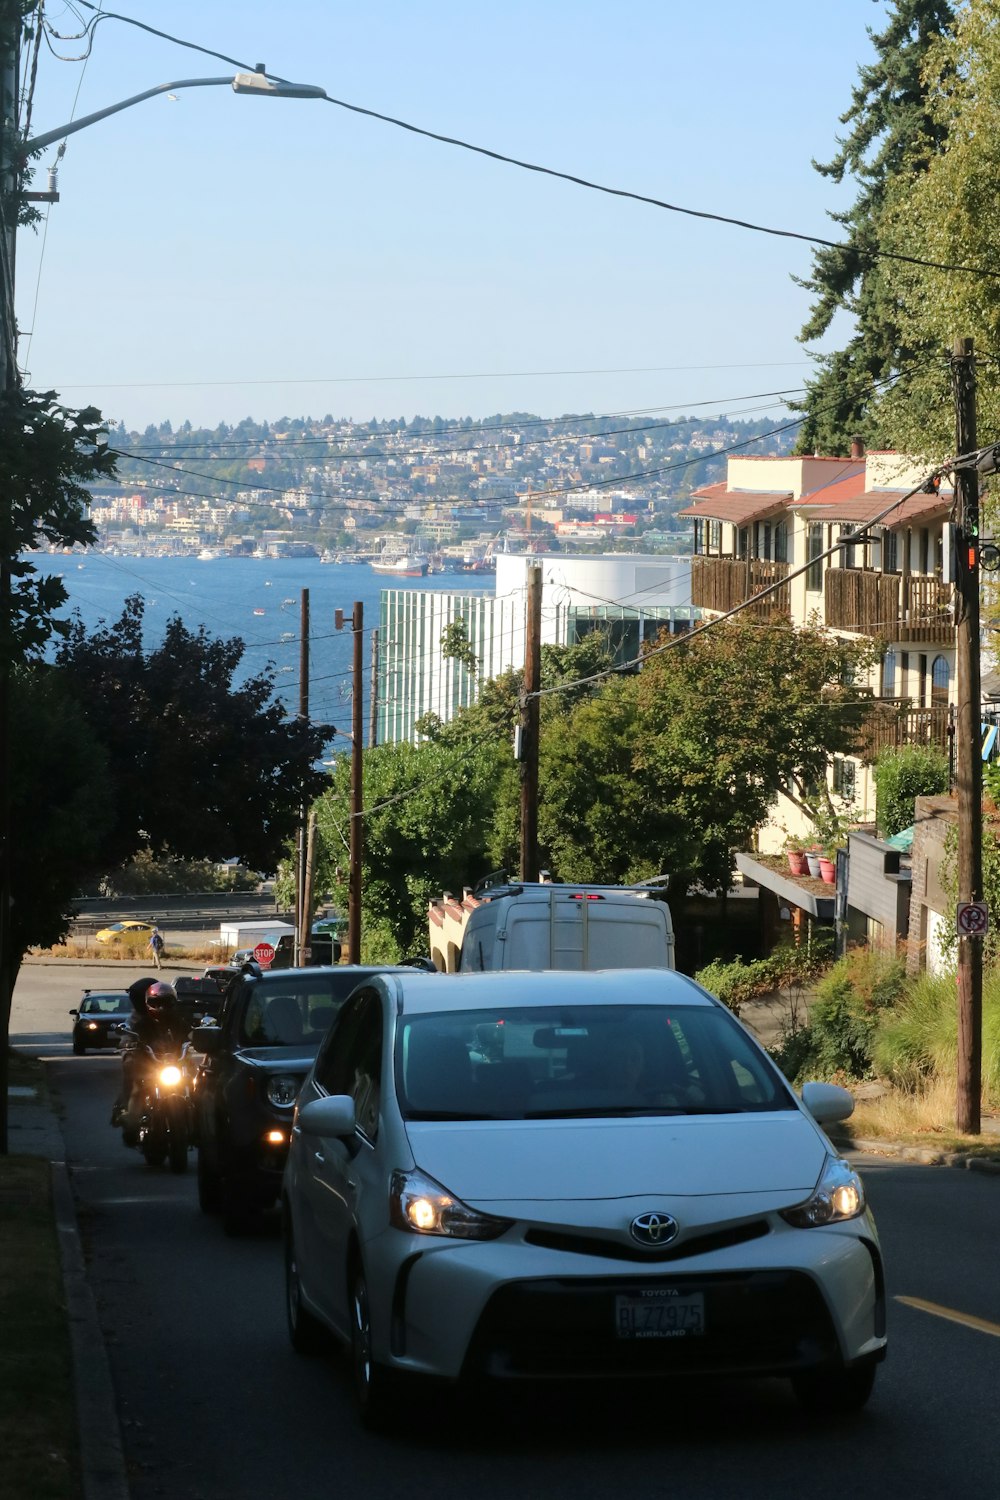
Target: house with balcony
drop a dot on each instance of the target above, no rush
(764, 536)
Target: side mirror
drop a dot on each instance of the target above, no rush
(333, 1116)
(74, 1013)
(206, 1039)
(827, 1102)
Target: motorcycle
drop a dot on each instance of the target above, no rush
(165, 1128)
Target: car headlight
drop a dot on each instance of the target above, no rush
(838, 1195)
(282, 1090)
(420, 1205)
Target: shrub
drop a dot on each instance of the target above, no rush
(737, 982)
(918, 1040)
(843, 1025)
(900, 777)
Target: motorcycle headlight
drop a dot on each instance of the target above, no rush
(282, 1090)
(838, 1195)
(420, 1205)
(170, 1076)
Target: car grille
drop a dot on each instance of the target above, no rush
(701, 1244)
(759, 1322)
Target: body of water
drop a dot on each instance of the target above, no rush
(258, 599)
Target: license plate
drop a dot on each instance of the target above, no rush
(659, 1314)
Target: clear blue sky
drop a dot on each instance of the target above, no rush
(217, 257)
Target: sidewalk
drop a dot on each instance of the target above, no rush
(34, 1131)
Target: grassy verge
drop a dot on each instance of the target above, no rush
(923, 1118)
(38, 1444)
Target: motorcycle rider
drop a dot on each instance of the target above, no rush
(158, 1025)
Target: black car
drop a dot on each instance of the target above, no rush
(255, 1059)
(97, 1013)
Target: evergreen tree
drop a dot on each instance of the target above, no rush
(891, 129)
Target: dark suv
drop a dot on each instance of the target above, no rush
(255, 1058)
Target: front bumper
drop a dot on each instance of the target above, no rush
(782, 1303)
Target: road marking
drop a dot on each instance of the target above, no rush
(982, 1325)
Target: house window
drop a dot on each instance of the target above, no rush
(814, 547)
(850, 553)
(714, 538)
(890, 551)
(699, 537)
(844, 777)
(781, 542)
(889, 675)
(744, 542)
(940, 677)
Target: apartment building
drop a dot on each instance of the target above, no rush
(772, 525)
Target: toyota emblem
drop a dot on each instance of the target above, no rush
(653, 1229)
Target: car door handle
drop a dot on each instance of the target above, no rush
(319, 1157)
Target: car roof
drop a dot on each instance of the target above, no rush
(362, 971)
(106, 994)
(415, 992)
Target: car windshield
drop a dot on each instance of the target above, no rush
(105, 1005)
(548, 1063)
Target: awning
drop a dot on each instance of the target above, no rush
(902, 840)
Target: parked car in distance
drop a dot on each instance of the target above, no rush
(97, 1014)
(130, 932)
(254, 1060)
(562, 1175)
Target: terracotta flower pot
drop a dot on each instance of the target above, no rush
(796, 861)
(827, 870)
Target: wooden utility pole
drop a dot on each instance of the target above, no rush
(529, 723)
(373, 694)
(303, 904)
(357, 784)
(968, 756)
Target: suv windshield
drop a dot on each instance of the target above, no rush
(562, 1063)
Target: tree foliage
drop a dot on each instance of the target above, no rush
(893, 129)
(201, 767)
(900, 777)
(950, 212)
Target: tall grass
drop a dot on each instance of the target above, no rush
(918, 1039)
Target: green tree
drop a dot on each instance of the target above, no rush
(950, 213)
(201, 767)
(893, 130)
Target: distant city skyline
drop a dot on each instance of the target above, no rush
(216, 257)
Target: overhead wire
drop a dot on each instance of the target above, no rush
(873, 253)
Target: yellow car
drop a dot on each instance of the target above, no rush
(131, 933)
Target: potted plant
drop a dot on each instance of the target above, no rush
(795, 855)
(812, 858)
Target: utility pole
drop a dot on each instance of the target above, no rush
(302, 899)
(10, 37)
(968, 757)
(529, 718)
(373, 694)
(357, 781)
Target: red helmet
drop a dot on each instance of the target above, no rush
(160, 998)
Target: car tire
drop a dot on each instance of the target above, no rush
(307, 1334)
(209, 1186)
(375, 1387)
(835, 1392)
(78, 1048)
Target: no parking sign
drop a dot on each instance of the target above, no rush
(972, 918)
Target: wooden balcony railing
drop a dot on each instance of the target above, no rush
(902, 609)
(894, 722)
(720, 583)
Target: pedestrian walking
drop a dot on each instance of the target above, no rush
(156, 945)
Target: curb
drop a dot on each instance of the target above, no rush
(102, 1458)
(988, 1166)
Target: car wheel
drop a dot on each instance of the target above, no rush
(307, 1333)
(78, 1048)
(374, 1385)
(835, 1392)
(209, 1186)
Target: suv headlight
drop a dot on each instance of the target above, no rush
(282, 1090)
(838, 1195)
(420, 1205)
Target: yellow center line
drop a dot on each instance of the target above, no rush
(982, 1325)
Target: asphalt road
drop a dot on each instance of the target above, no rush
(214, 1405)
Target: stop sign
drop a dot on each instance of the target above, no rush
(264, 953)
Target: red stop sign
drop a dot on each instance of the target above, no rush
(264, 953)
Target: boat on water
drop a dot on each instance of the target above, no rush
(209, 554)
(259, 611)
(408, 565)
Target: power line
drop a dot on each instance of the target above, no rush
(584, 182)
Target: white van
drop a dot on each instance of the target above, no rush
(548, 926)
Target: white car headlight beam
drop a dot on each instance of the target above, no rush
(838, 1196)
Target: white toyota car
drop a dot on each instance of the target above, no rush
(568, 1175)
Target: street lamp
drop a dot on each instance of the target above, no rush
(243, 83)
